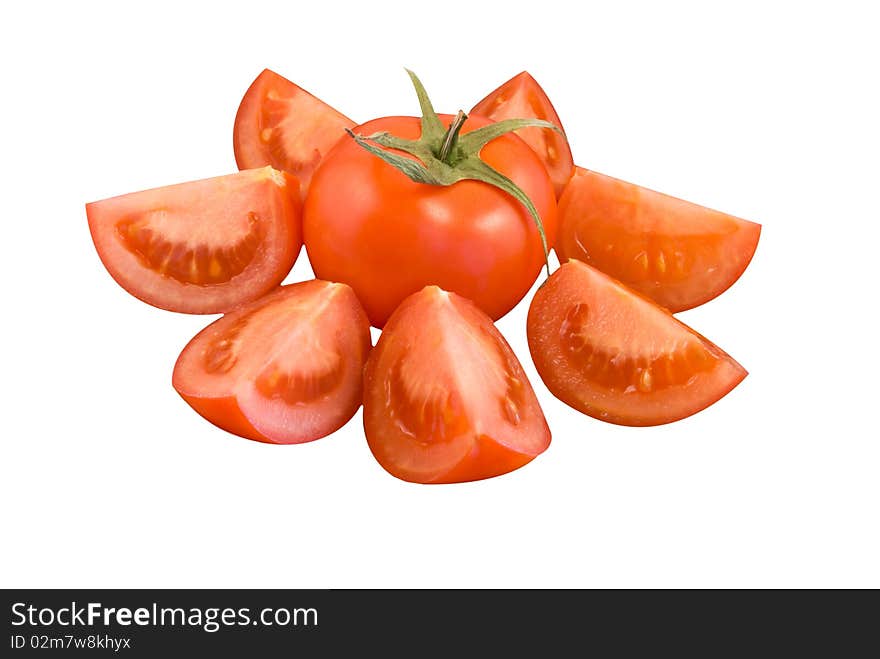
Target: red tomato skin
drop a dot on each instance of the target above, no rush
(417, 328)
(488, 459)
(225, 414)
(368, 225)
(692, 388)
(679, 254)
(222, 405)
(164, 292)
(522, 97)
(273, 103)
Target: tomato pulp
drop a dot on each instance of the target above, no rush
(285, 369)
(205, 246)
(445, 398)
(280, 124)
(677, 253)
(608, 352)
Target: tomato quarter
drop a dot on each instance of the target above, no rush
(522, 96)
(609, 352)
(204, 246)
(280, 124)
(285, 369)
(445, 399)
(677, 253)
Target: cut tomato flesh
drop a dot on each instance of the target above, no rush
(521, 97)
(285, 369)
(445, 398)
(614, 355)
(280, 124)
(205, 246)
(677, 253)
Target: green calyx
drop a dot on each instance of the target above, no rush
(446, 157)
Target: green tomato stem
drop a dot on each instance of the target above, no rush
(451, 137)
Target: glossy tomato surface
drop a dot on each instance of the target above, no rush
(521, 97)
(280, 124)
(285, 369)
(445, 398)
(677, 253)
(367, 224)
(609, 352)
(205, 246)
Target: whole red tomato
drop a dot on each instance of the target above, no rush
(369, 225)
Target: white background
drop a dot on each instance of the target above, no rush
(765, 110)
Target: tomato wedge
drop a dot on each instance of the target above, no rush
(677, 253)
(521, 97)
(445, 399)
(608, 352)
(204, 246)
(284, 369)
(280, 124)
